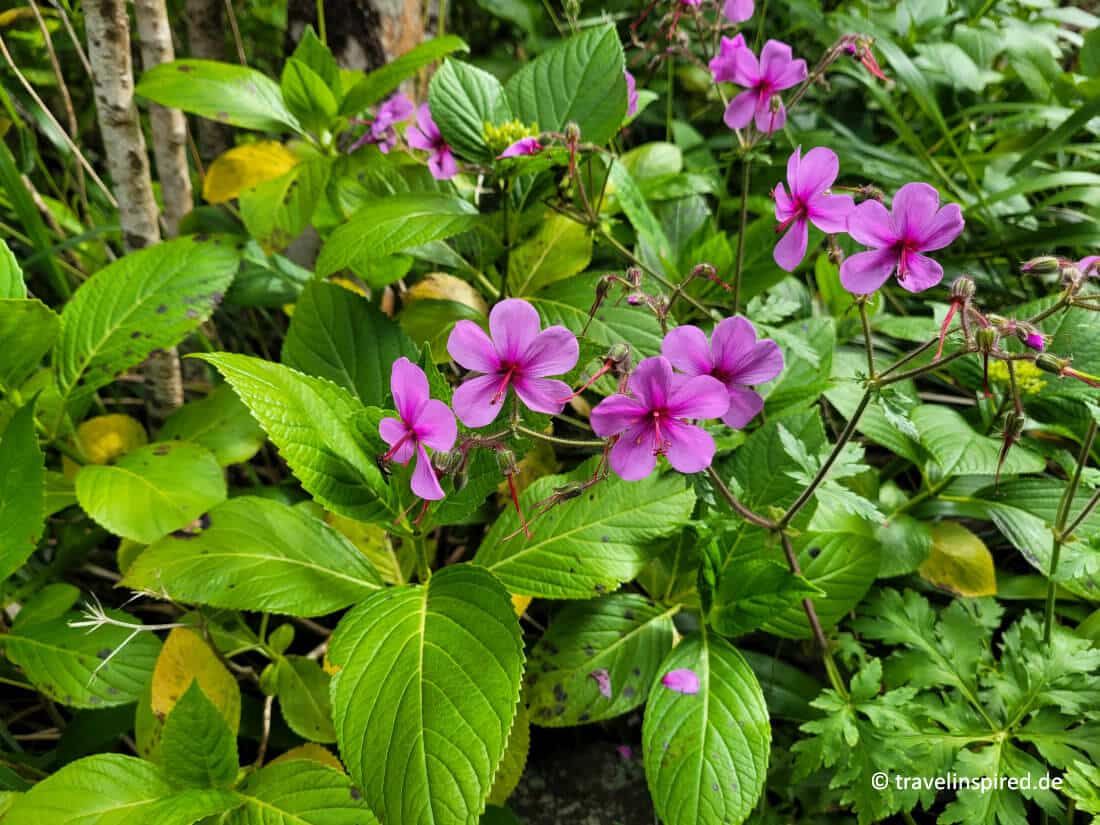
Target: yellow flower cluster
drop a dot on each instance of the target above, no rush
(499, 138)
(1028, 376)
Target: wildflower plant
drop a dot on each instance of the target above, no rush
(674, 385)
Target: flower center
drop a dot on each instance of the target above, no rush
(502, 389)
(906, 250)
(660, 443)
(800, 211)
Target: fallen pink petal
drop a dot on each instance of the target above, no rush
(681, 681)
(603, 681)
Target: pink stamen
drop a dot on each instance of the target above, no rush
(943, 329)
(392, 451)
(659, 443)
(799, 209)
(602, 371)
(503, 388)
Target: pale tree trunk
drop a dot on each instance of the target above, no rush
(363, 34)
(108, 30)
(206, 41)
(169, 125)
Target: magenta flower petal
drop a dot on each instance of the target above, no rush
(816, 172)
(475, 402)
(471, 348)
(442, 164)
(393, 430)
(769, 121)
(625, 751)
(731, 340)
(687, 350)
(871, 225)
(942, 229)
(745, 405)
(829, 213)
(760, 365)
(523, 146)
(775, 57)
(791, 249)
(1091, 262)
(914, 207)
(425, 135)
(409, 386)
(740, 111)
(631, 94)
(424, 482)
(690, 449)
(555, 350)
(651, 381)
(615, 414)
(632, 458)
(738, 11)
(544, 395)
(785, 206)
(923, 273)
(514, 325)
(435, 425)
(603, 681)
(723, 64)
(864, 272)
(698, 397)
(746, 68)
(681, 681)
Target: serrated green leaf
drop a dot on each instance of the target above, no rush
(148, 300)
(269, 556)
(300, 792)
(304, 699)
(152, 490)
(11, 274)
(28, 329)
(753, 593)
(321, 431)
(337, 334)
(67, 663)
(706, 754)
(223, 92)
(221, 423)
(377, 84)
(588, 545)
(958, 450)
(22, 489)
(559, 249)
(615, 643)
(197, 748)
(397, 223)
(307, 96)
(463, 99)
(426, 693)
(514, 760)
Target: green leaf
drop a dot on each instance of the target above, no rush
(706, 755)
(23, 205)
(905, 542)
(152, 490)
(339, 335)
(83, 669)
(959, 450)
(276, 211)
(514, 761)
(28, 328)
(221, 423)
(1063, 132)
(580, 81)
(307, 96)
(50, 602)
(315, 54)
(621, 638)
(11, 275)
(587, 545)
(319, 429)
(219, 91)
(463, 99)
(197, 748)
(304, 699)
(754, 592)
(148, 300)
(394, 224)
(426, 693)
(560, 248)
(634, 205)
(269, 556)
(300, 792)
(379, 83)
(112, 789)
(788, 690)
(22, 491)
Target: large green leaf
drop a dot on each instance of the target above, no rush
(580, 81)
(426, 693)
(958, 450)
(463, 99)
(303, 689)
(337, 334)
(300, 792)
(560, 248)
(152, 490)
(112, 789)
(221, 423)
(393, 224)
(377, 84)
(753, 592)
(588, 545)
(706, 754)
(11, 275)
(321, 431)
(28, 329)
(276, 211)
(220, 91)
(268, 556)
(81, 668)
(307, 96)
(148, 300)
(22, 491)
(197, 748)
(622, 638)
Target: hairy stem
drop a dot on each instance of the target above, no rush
(746, 168)
(866, 322)
(815, 623)
(735, 503)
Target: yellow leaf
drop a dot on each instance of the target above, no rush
(515, 758)
(314, 753)
(184, 658)
(106, 437)
(350, 286)
(243, 167)
(959, 562)
(520, 603)
(439, 286)
(12, 15)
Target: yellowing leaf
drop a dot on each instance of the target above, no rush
(374, 543)
(521, 603)
(959, 562)
(515, 757)
(106, 437)
(439, 286)
(559, 249)
(351, 286)
(314, 753)
(243, 167)
(184, 658)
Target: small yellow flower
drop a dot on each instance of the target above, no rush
(1029, 378)
(499, 138)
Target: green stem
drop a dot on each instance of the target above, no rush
(913, 373)
(668, 103)
(867, 338)
(657, 276)
(735, 503)
(583, 444)
(746, 168)
(423, 559)
(321, 21)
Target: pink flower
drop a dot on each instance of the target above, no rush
(518, 355)
(631, 94)
(738, 11)
(774, 72)
(523, 146)
(426, 135)
(653, 420)
(722, 65)
(424, 421)
(681, 681)
(809, 178)
(603, 681)
(1089, 265)
(917, 225)
(397, 109)
(1035, 341)
(733, 357)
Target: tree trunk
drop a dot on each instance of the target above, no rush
(169, 125)
(363, 34)
(206, 39)
(108, 30)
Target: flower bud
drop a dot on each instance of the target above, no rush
(634, 276)
(704, 271)
(1014, 426)
(281, 637)
(1043, 265)
(571, 489)
(506, 461)
(269, 680)
(619, 353)
(572, 132)
(1051, 363)
(775, 105)
(986, 338)
(962, 289)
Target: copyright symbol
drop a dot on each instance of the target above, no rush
(879, 781)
